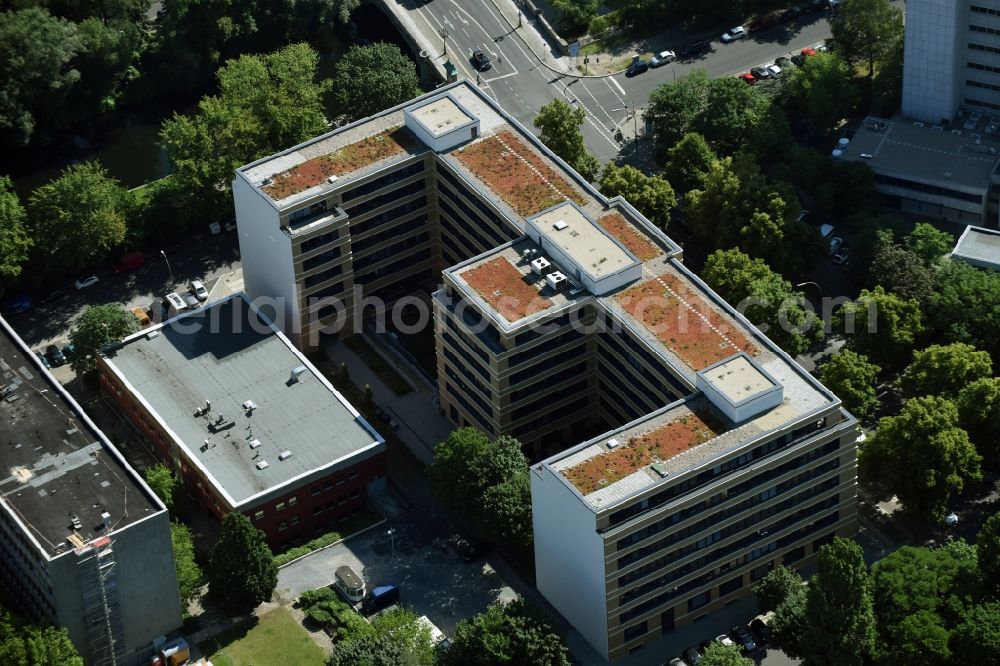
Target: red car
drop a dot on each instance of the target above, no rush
(748, 78)
(807, 52)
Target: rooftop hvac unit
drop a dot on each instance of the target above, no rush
(556, 280)
(249, 405)
(331, 179)
(284, 455)
(612, 443)
(559, 225)
(262, 465)
(254, 443)
(539, 265)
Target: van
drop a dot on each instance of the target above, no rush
(349, 584)
(381, 598)
(175, 304)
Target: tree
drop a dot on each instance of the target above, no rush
(853, 379)
(242, 572)
(965, 306)
(24, 643)
(945, 370)
(920, 640)
(764, 297)
(979, 412)
(866, 31)
(928, 243)
(976, 640)
(839, 614)
(511, 634)
(882, 326)
(401, 627)
(717, 654)
(189, 574)
(779, 584)
(822, 90)
(162, 481)
(80, 216)
(368, 650)
(651, 195)
(922, 456)
(575, 15)
(560, 125)
(14, 239)
(901, 272)
(506, 510)
(369, 79)
(265, 104)
(98, 327)
(688, 162)
(788, 624)
(732, 113)
(674, 108)
(450, 474)
(36, 57)
(988, 548)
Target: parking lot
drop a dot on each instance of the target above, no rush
(433, 579)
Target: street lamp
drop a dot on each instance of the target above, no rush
(520, 4)
(444, 35)
(392, 541)
(635, 122)
(164, 255)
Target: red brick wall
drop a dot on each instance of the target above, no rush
(317, 504)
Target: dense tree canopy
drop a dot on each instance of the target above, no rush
(839, 616)
(928, 243)
(867, 31)
(882, 326)
(988, 547)
(162, 481)
(922, 456)
(979, 412)
(22, 643)
(189, 575)
(764, 297)
(651, 195)
(688, 162)
(560, 125)
(965, 307)
(945, 370)
(369, 79)
(788, 624)
(485, 483)
(242, 572)
(514, 634)
(977, 639)
(14, 239)
(779, 584)
(822, 91)
(81, 215)
(717, 654)
(853, 379)
(97, 327)
(901, 272)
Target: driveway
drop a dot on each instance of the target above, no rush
(433, 579)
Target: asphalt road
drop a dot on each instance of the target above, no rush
(522, 86)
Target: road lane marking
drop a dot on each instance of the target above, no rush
(624, 103)
(617, 85)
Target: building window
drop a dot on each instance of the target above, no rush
(341, 480)
(314, 490)
(292, 501)
(730, 586)
(317, 510)
(294, 520)
(700, 600)
(328, 485)
(635, 631)
(280, 506)
(258, 515)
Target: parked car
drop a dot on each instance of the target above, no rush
(782, 62)
(841, 256)
(41, 357)
(198, 288)
(230, 225)
(53, 295)
(760, 631)
(695, 49)
(775, 71)
(677, 661)
(85, 282)
(190, 300)
(747, 78)
(380, 598)
(637, 67)
(663, 58)
(725, 640)
(17, 303)
(801, 56)
(760, 73)
(731, 35)
(130, 261)
(835, 244)
(55, 355)
(742, 638)
(691, 656)
(68, 350)
(481, 61)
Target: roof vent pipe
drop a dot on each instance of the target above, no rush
(296, 372)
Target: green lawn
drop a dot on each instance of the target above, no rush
(277, 639)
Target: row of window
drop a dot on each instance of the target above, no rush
(482, 329)
(352, 496)
(651, 366)
(541, 404)
(493, 227)
(553, 343)
(361, 244)
(320, 259)
(989, 11)
(451, 222)
(981, 67)
(935, 189)
(470, 362)
(399, 266)
(384, 218)
(578, 405)
(551, 380)
(499, 224)
(469, 409)
(383, 181)
(318, 241)
(321, 277)
(551, 362)
(710, 475)
(609, 384)
(397, 248)
(486, 407)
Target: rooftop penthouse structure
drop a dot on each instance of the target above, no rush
(681, 454)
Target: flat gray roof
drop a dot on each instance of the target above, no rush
(901, 148)
(56, 464)
(229, 354)
(583, 241)
(441, 116)
(979, 247)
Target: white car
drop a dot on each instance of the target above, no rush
(199, 290)
(835, 244)
(83, 283)
(662, 58)
(731, 35)
(775, 71)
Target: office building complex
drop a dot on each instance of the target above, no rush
(561, 315)
(84, 543)
(245, 420)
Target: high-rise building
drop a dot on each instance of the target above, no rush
(560, 315)
(951, 58)
(84, 543)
